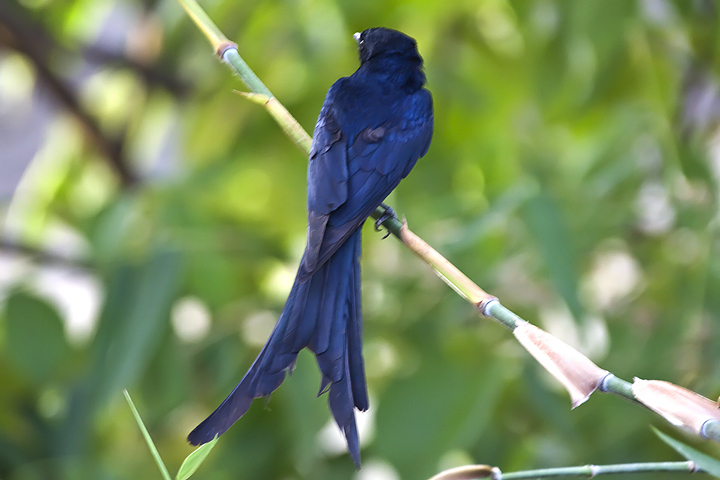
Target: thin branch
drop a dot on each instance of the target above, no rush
(470, 472)
(590, 471)
(43, 256)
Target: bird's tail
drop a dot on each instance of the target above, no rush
(322, 313)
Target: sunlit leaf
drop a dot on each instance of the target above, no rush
(705, 462)
(195, 459)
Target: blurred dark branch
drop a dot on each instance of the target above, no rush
(151, 76)
(43, 256)
(17, 32)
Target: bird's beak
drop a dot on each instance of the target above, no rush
(356, 36)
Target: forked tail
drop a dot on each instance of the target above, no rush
(322, 313)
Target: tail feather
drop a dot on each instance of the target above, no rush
(323, 313)
(301, 332)
(356, 365)
(341, 403)
(330, 358)
(327, 317)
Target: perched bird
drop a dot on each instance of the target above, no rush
(372, 128)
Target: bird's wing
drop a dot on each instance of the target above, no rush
(380, 157)
(349, 177)
(327, 179)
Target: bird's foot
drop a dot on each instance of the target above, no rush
(388, 213)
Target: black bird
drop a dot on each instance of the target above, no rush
(372, 128)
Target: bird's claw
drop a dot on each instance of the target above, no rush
(388, 213)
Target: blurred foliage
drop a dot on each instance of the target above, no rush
(155, 229)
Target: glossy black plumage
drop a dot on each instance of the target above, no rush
(372, 128)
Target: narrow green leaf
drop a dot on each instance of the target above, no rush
(194, 460)
(705, 462)
(133, 322)
(148, 439)
(546, 221)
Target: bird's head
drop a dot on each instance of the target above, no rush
(385, 43)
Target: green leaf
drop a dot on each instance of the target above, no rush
(133, 322)
(34, 326)
(705, 462)
(546, 222)
(194, 460)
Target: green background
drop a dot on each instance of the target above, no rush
(574, 173)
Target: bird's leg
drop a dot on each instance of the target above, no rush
(388, 213)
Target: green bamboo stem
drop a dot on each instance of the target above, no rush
(448, 272)
(232, 57)
(286, 121)
(617, 386)
(590, 471)
(203, 22)
(471, 472)
(496, 310)
(711, 430)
